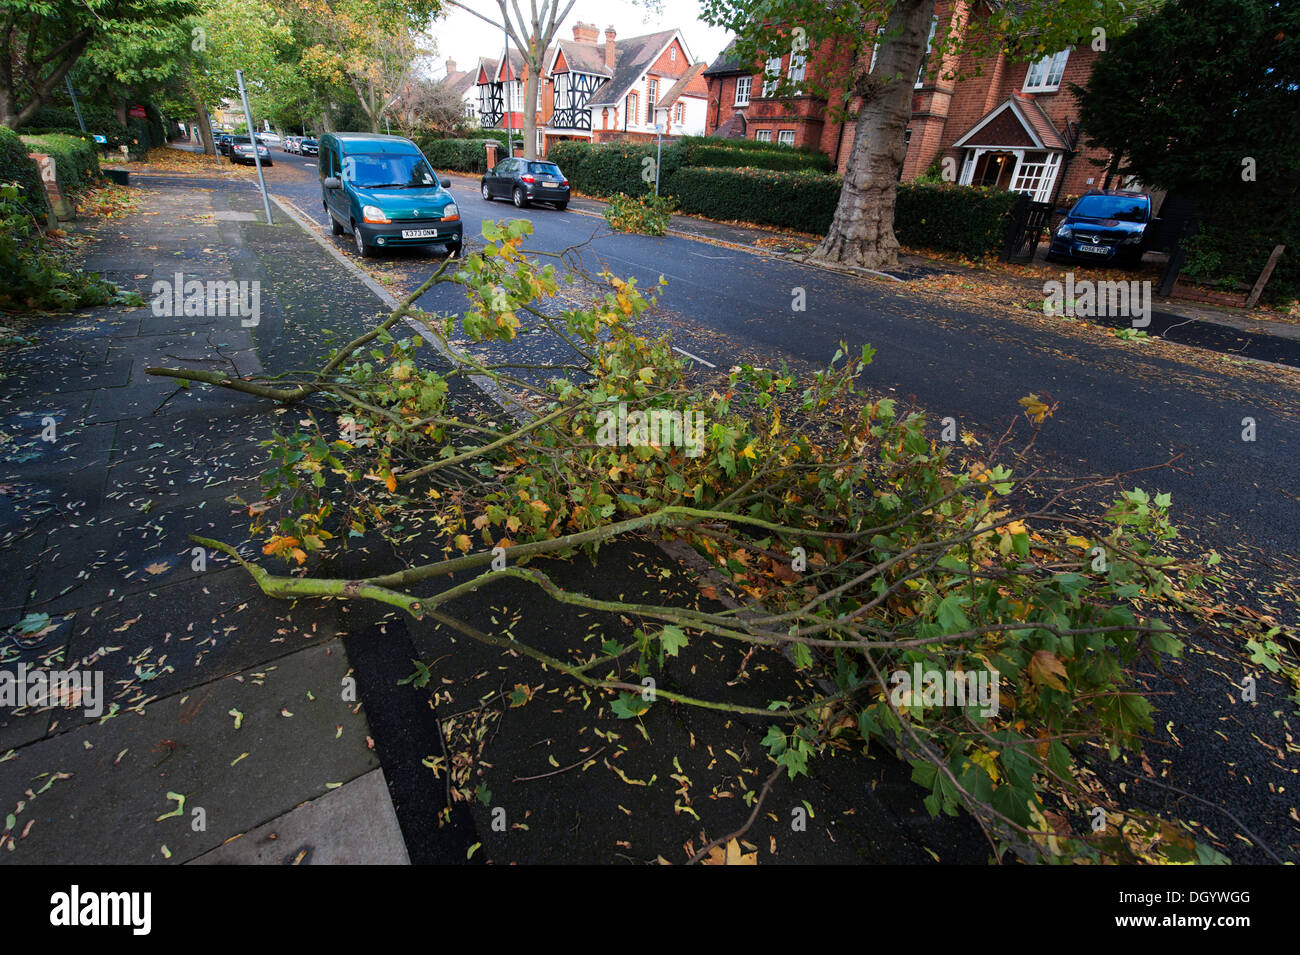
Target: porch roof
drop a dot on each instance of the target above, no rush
(1017, 123)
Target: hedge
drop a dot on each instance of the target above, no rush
(76, 159)
(783, 159)
(802, 201)
(606, 169)
(1236, 238)
(17, 166)
(98, 121)
(461, 155)
(952, 218)
(972, 222)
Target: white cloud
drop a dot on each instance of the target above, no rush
(464, 37)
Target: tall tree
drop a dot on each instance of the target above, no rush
(882, 46)
(40, 40)
(531, 34)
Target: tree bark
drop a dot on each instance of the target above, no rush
(205, 128)
(862, 232)
(531, 87)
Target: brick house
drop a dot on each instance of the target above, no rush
(600, 91)
(1013, 126)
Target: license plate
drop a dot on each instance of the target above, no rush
(1094, 248)
(419, 233)
(552, 182)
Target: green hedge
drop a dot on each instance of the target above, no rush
(76, 159)
(783, 159)
(17, 166)
(98, 120)
(951, 218)
(461, 155)
(608, 169)
(970, 221)
(1237, 236)
(802, 201)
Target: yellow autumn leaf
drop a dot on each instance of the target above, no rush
(390, 482)
(1045, 667)
(462, 542)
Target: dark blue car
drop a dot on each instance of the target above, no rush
(1104, 227)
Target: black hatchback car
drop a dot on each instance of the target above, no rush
(223, 144)
(1104, 226)
(524, 181)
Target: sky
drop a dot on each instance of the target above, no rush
(465, 37)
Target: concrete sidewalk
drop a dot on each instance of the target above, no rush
(210, 691)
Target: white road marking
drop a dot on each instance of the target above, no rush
(694, 357)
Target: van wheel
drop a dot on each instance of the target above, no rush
(520, 201)
(363, 250)
(335, 228)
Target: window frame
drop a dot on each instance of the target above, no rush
(651, 95)
(762, 135)
(925, 58)
(781, 137)
(771, 77)
(749, 86)
(1045, 84)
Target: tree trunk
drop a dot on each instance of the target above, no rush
(205, 128)
(862, 232)
(532, 87)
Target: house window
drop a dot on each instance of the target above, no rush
(632, 106)
(797, 64)
(785, 137)
(679, 113)
(651, 96)
(920, 74)
(771, 76)
(672, 54)
(1036, 175)
(1045, 75)
(541, 145)
(763, 135)
(743, 84)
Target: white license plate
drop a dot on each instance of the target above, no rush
(1093, 248)
(419, 233)
(551, 182)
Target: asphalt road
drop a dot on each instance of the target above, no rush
(1121, 406)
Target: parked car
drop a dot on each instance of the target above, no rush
(1104, 226)
(241, 151)
(223, 144)
(308, 147)
(289, 143)
(383, 191)
(524, 181)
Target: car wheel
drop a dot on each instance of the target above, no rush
(363, 250)
(487, 193)
(520, 201)
(562, 205)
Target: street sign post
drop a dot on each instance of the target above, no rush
(252, 138)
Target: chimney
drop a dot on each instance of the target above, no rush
(451, 66)
(609, 48)
(585, 33)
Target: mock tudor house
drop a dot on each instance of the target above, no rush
(1014, 126)
(597, 91)
(463, 83)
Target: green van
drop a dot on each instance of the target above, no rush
(383, 191)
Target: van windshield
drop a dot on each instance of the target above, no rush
(400, 170)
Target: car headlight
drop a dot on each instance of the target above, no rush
(1065, 232)
(373, 214)
(1133, 239)
(450, 213)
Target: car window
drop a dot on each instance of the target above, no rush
(1112, 207)
(398, 170)
(545, 169)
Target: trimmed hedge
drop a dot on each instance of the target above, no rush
(64, 119)
(607, 169)
(784, 159)
(802, 201)
(76, 159)
(461, 155)
(970, 221)
(17, 166)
